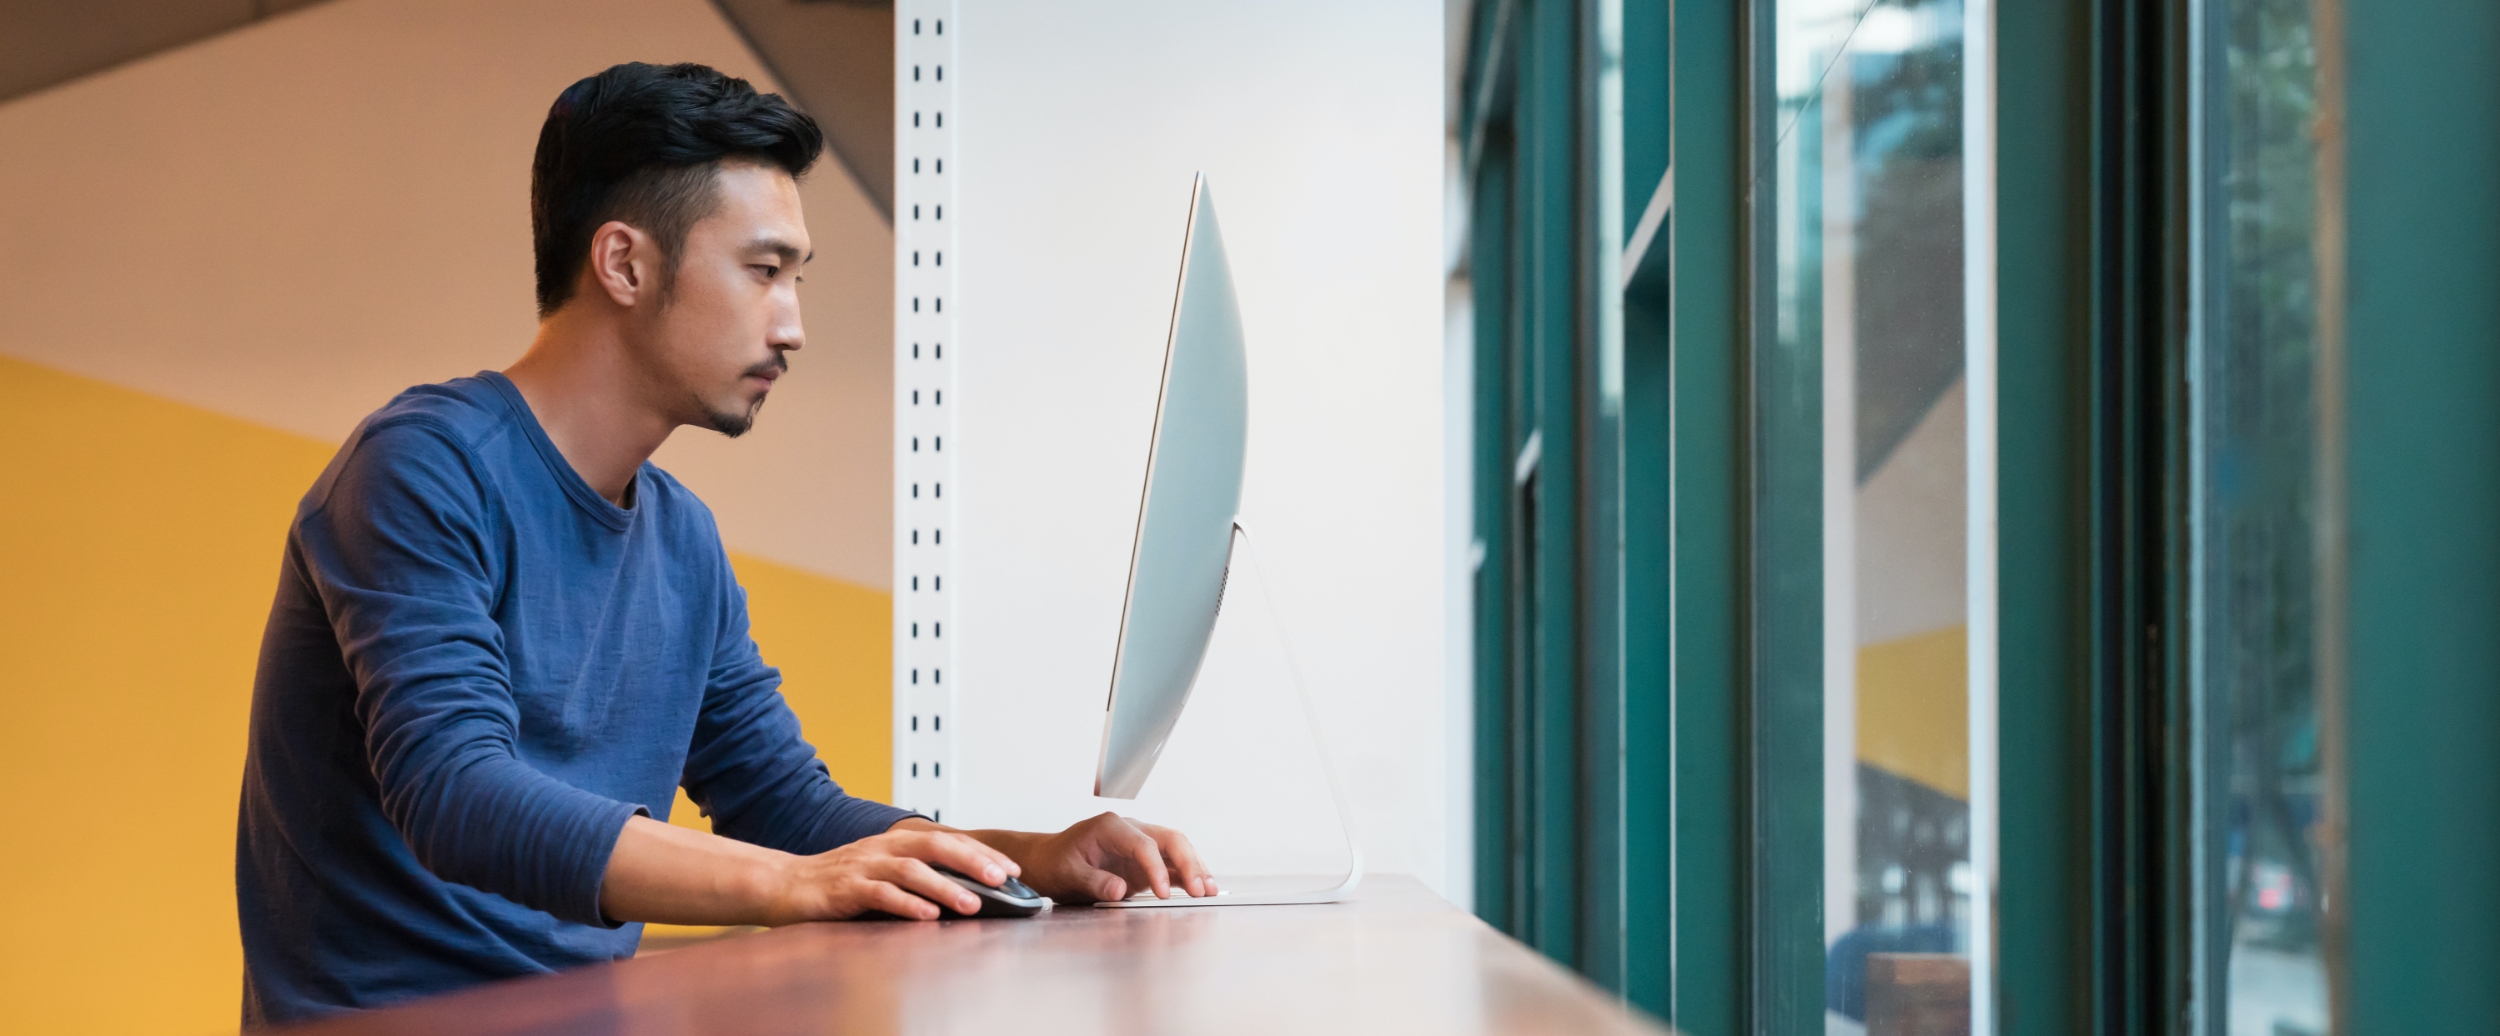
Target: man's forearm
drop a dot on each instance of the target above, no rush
(674, 875)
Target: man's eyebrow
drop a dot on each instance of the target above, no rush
(788, 252)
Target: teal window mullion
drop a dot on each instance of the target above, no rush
(2044, 888)
(1495, 446)
(1705, 322)
(2417, 492)
(1648, 805)
(1547, 90)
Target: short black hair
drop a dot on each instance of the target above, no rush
(640, 143)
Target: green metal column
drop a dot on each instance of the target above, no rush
(2044, 890)
(1783, 503)
(2421, 374)
(1648, 385)
(1549, 684)
(1495, 444)
(1707, 303)
(1547, 123)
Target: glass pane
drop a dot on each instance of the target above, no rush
(2260, 785)
(1870, 205)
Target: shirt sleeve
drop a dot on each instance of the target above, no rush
(403, 551)
(749, 768)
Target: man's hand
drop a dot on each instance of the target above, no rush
(674, 875)
(1105, 858)
(890, 872)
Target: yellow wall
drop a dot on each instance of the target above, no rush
(833, 642)
(140, 542)
(1913, 713)
(139, 549)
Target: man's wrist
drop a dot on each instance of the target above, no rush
(772, 885)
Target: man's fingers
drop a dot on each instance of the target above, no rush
(1183, 859)
(885, 897)
(1142, 852)
(913, 876)
(1007, 865)
(965, 855)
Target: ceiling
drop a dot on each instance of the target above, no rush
(54, 41)
(835, 58)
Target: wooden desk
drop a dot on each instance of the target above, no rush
(1396, 959)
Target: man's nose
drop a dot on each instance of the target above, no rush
(788, 334)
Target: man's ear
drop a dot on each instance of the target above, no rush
(624, 263)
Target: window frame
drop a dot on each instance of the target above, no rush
(2090, 892)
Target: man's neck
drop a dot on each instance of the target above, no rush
(589, 396)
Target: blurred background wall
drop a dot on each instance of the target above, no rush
(214, 261)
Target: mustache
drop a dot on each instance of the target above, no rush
(777, 366)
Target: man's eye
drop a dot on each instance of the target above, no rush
(769, 271)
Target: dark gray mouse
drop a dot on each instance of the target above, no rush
(1011, 898)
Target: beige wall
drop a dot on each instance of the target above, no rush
(292, 222)
(212, 264)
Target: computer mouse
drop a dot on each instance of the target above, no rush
(1011, 898)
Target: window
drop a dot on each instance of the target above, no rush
(2239, 545)
(1865, 343)
(2262, 785)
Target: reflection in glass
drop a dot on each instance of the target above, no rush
(2259, 781)
(1870, 199)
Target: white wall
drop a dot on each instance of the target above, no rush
(1078, 127)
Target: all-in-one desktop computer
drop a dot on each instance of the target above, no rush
(1180, 564)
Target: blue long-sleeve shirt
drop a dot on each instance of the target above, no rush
(475, 671)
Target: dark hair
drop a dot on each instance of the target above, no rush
(640, 143)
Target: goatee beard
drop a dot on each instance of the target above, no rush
(735, 425)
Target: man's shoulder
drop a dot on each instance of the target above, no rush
(463, 411)
(685, 512)
(418, 442)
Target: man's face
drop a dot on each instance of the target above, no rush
(733, 310)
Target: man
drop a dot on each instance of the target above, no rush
(502, 639)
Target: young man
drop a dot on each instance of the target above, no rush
(502, 639)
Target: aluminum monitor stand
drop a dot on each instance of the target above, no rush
(1327, 766)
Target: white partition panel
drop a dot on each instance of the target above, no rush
(924, 376)
(1070, 134)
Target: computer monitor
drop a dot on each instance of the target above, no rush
(1177, 565)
